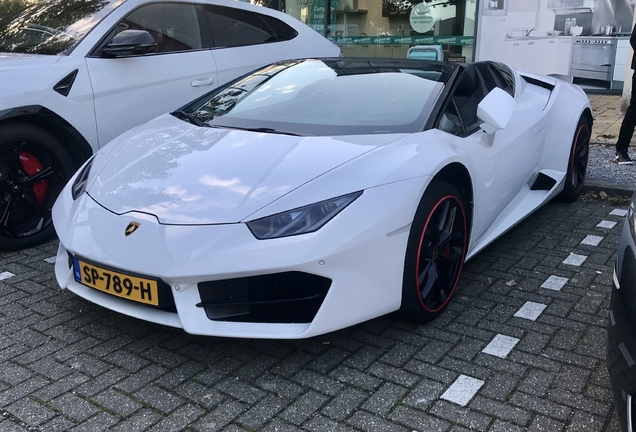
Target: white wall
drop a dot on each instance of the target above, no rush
(545, 18)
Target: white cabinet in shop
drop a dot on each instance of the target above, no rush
(563, 56)
(542, 55)
(549, 56)
(620, 61)
(534, 54)
(515, 53)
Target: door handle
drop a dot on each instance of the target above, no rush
(202, 82)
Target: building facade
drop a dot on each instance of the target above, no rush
(388, 28)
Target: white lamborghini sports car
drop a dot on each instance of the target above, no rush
(311, 195)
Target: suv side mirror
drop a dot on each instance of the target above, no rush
(496, 110)
(130, 43)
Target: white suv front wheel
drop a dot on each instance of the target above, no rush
(34, 167)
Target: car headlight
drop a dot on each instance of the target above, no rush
(79, 185)
(302, 220)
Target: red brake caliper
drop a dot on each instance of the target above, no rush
(31, 166)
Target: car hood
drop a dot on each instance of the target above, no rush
(11, 61)
(24, 76)
(190, 175)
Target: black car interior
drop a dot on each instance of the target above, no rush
(474, 82)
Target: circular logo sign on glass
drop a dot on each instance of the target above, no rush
(422, 18)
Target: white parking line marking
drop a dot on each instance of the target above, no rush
(619, 212)
(575, 260)
(606, 224)
(6, 275)
(462, 390)
(50, 260)
(530, 311)
(500, 346)
(554, 283)
(592, 240)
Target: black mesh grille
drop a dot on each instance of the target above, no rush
(289, 297)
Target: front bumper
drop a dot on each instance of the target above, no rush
(361, 251)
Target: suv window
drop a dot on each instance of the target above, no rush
(174, 26)
(235, 27)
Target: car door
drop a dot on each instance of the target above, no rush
(246, 40)
(132, 90)
(502, 163)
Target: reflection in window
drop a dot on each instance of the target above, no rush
(450, 121)
(175, 27)
(52, 27)
(323, 97)
(235, 27)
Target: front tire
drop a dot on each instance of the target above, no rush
(435, 252)
(34, 167)
(577, 164)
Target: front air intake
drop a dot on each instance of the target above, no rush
(289, 297)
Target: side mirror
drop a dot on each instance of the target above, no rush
(130, 43)
(496, 110)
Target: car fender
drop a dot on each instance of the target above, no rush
(28, 90)
(567, 105)
(421, 155)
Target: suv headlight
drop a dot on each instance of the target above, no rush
(79, 185)
(302, 220)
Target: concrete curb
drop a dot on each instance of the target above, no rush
(603, 143)
(610, 189)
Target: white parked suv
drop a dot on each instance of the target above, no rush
(74, 74)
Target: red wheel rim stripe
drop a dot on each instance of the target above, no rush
(419, 249)
(576, 138)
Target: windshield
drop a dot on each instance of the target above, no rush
(52, 27)
(328, 97)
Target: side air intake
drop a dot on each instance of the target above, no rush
(543, 182)
(64, 86)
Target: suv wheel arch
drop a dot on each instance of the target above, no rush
(78, 148)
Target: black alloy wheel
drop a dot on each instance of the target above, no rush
(34, 167)
(577, 164)
(435, 253)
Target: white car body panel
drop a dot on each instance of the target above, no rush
(158, 81)
(362, 250)
(28, 80)
(270, 169)
(366, 257)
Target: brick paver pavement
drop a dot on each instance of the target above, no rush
(521, 347)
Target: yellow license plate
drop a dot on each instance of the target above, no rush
(119, 284)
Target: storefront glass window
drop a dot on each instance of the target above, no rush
(388, 28)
